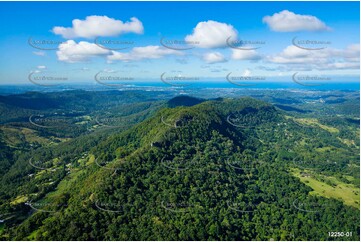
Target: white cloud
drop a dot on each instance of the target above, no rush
(72, 52)
(39, 53)
(245, 55)
(343, 65)
(84, 69)
(324, 59)
(352, 53)
(109, 71)
(140, 53)
(211, 34)
(214, 57)
(39, 69)
(247, 72)
(286, 21)
(96, 26)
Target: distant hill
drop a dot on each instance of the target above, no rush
(184, 101)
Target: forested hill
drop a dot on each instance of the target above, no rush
(217, 170)
(183, 101)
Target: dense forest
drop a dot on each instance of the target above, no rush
(184, 169)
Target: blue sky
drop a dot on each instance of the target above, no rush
(267, 27)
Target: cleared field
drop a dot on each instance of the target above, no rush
(19, 199)
(91, 160)
(314, 122)
(326, 149)
(347, 141)
(347, 193)
(15, 136)
(33, 235)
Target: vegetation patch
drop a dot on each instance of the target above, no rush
(349, 194)
(314, 122)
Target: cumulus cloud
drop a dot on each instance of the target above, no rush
(99, 26)
(140, 53)
(325, 59)
(245, 55)
(41, 67)
(72, 52)
(286, 21)
(214, 57)
(211, 34)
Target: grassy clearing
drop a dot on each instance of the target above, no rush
(326, 149)
(347, 193)
(66, 184)
(350, 178)
(15, 136)
(347, 142)
(40, 173)
(33, 235)
(91, 160)
(19, 199)
(314, 122)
